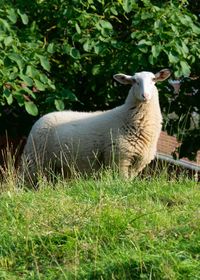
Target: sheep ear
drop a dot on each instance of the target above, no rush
(124, 79)
(162, 75)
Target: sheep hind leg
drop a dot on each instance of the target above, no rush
(32, 168)
(27, 173)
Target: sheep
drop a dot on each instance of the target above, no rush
(124, 137)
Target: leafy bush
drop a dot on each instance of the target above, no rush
(62, 54)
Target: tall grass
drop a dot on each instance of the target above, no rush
(100, 228)
(8, 172)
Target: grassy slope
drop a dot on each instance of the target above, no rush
(103, 229)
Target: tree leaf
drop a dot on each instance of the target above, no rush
(59, 104)
(44, 62)
(155, 49)
(87, 46)
(30, 92)
(19, 97)
(96, 69)
(185, 20)
(39, 85)
(5, 23)
(105, 24)
(51, 84)
(144, 42)
(43, 78)
(98, 48)
(66, 93)
(151, 59)
(31, 71)
(127, 5)
(78, 30)
(172, 58)
(113, 11)
(185, 49)
(75, 53)
(26, 79)
(8, 95)
(12, 16)
(24, 17)
(157, 24)
(185, 67)
(31, 108)
(17, 58)
(195, 29)
(8, 41)
(50, 48)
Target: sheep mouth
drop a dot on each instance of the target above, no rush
(145, 100)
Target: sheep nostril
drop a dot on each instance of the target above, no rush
(146, 96)
(143, 96)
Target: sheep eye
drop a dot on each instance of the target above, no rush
(135, 81)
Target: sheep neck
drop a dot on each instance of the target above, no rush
(144, 120)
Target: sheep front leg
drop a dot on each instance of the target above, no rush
(114, 162)
(124, 168)
(136, 166)
(130, 167)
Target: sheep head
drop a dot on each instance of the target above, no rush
(143, 83)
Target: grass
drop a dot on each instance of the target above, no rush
(101, 229)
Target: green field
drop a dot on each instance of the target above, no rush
(106, 228)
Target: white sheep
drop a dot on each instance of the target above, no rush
(125, 137)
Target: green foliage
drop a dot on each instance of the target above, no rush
(62, 54)
(185, 122)
(23, 59)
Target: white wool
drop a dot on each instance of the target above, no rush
(125, 136)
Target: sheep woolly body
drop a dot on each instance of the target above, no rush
(126, 135)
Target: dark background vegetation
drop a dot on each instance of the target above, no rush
(59, 54)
